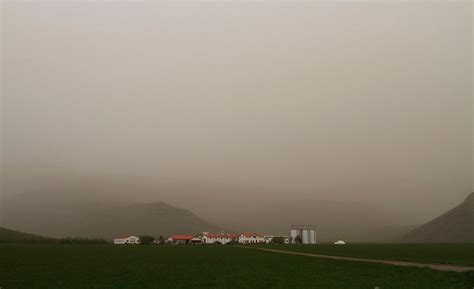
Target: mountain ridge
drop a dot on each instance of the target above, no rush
(8, 235)
(91, 220)
(157, 218)
(454, 226)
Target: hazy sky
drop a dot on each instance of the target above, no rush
(347, 101)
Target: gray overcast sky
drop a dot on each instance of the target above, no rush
(363, 101)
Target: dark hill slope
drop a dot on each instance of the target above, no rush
(11, 236)
(151, 218)
(455, 226)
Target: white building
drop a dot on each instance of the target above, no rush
(180, 239)
(129, 240)
(251, 238)
(222, 238)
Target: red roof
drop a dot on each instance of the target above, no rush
(181, 237)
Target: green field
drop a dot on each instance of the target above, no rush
(142, 267)
(462, 254)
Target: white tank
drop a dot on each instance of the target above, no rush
(312, 237)
(305, 237)
(294, 233)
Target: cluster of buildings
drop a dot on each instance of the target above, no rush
(210, 238)
(220, 238)
(299, 234)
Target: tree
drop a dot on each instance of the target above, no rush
(146, 240)
(298, 240)
(161, 240)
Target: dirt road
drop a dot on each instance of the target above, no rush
(440, 267)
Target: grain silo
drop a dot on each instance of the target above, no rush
(307, 233)
(312, 238)
(295, 233)
(305, 236)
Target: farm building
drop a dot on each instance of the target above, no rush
(196, 240)
(213, 238)
(128, 240)
(306, 233)
(219, 238)
(251, 238)
(234, 237)
(180, 239)
(210, 238)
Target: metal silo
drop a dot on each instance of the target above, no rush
(307, 233)
(305, 236)
(312, 239)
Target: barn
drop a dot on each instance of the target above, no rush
(251, 238)
(127, 240)
(180, 239)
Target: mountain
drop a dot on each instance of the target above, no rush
(353, 222)
(349, 221)
(9, 236)
(455, 226)
(139, 219)
(66, 203)
(101, 221)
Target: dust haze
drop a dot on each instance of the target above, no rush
(244, 113)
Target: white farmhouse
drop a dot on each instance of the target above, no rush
(222, 238)
(251, 238)
(129, 240)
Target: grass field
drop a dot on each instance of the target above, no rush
(142, 267)
(462, 254)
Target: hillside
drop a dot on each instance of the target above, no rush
(11, 236)
(148, 218)
(98, 206)
(455, 226)
(110, 221)
(350, 221)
